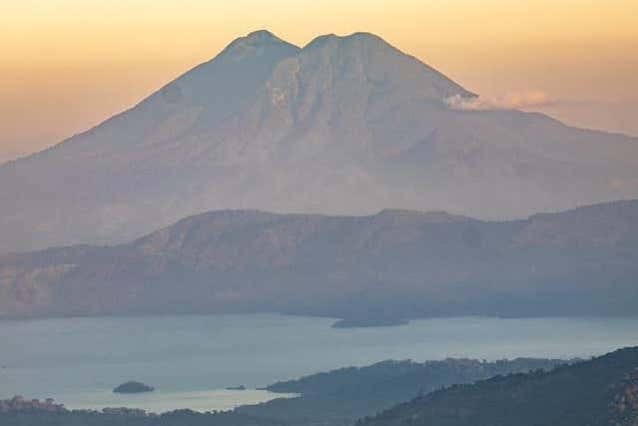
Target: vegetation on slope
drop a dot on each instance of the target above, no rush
(341, 396)
(125, 417)
(599, 392)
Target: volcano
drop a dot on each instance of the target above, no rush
(345, 125)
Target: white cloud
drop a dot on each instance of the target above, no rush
(519, 100)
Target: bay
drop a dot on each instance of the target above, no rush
(192, 359)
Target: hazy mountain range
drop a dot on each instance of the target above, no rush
(395, 264)
(344, 125)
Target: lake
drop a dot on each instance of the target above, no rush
(191, 360)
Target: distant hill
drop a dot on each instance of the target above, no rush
(395, 264)
(344, 125)
(600, 392)
(340, 397)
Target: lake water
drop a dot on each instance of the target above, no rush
(190, 360)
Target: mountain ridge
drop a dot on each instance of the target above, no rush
(600, 392)
(388, 265)
(340, 397)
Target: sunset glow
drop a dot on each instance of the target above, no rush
(69, 64)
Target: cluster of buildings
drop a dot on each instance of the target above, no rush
(122, 411)
(19, 403)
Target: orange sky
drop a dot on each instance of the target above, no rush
(66, 65)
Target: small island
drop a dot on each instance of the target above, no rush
(370, 322)
(133, 387)
(237, 388)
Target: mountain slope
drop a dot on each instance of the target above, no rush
(346, 125)
(393, 265)
(134, 170)
(600, 392)
(340, 397)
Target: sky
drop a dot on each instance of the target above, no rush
(66, 65)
